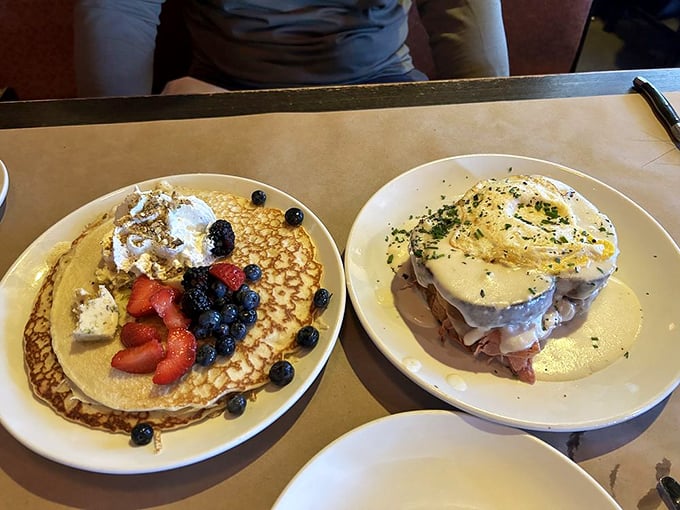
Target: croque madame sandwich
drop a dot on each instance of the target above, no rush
(510, 261)
(155, 250)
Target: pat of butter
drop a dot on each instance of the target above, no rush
(97, 316)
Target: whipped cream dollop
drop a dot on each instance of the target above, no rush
(158, 232)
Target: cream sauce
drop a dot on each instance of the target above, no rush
(585, 346)
(614, 319)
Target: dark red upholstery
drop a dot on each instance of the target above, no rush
(544, 36)
(36, 52)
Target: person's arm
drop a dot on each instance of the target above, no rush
(467, 37)
(114, 43)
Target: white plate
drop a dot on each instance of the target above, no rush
(4, 182)
(40, 429)
(439, 459)
(649, 264)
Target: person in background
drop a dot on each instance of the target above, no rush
(248, 44)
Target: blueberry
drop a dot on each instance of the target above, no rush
(218, 289)
(294, 216)
(281, 373)
(218, 303)
(238, 295)
(225, 346)
(247, 317)
(201, 332)
(258, 197)
(236, 404)
(229, 313)
(238, 330)
(250, 300)
(141, 434)
(253, 272)
(221, 331)
(209, 319)
(321, 298)
(206, 355)
(308, 337)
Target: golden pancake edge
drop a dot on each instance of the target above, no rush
(78, 382)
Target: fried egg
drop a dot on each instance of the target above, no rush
(534, 222)
(521, 254)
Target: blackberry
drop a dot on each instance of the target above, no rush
(206, 355)
(294, 216)
(196, 277)
(308, 336)
(258, 197)
(141, 434)
(281, 373)
(195, 301)
(222, 236)
(236, 404)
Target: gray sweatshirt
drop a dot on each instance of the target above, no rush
(299, 42)
(281, 43)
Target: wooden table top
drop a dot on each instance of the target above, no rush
(332, 148)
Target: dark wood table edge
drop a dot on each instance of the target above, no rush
(62, 112)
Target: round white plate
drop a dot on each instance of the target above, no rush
(649, 264)
(440, 459)
(4, 182)
(43, 431)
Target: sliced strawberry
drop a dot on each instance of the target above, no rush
(163, 302)
(140, 359)
(137, 333)
(232, 275)
(143, 288)
(180, 357)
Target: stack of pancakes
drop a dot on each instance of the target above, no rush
(76, 378)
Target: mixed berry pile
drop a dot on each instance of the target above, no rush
(220, 316)
(214, 311)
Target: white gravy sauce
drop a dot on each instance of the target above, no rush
(581, 347)
(578, 349)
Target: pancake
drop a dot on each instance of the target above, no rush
(291, 275)
(50, 384)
